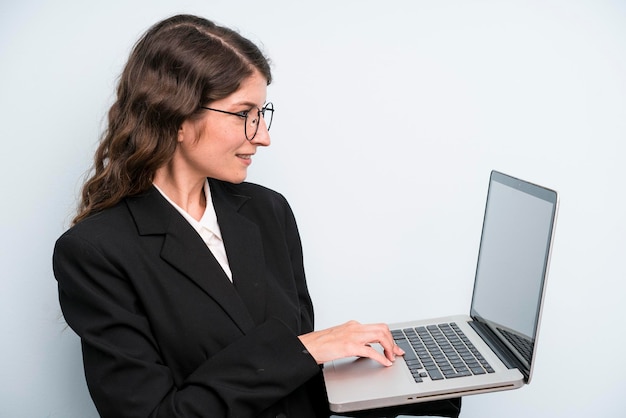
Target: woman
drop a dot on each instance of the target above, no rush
(185, 284)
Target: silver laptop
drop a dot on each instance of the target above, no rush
(494, 347)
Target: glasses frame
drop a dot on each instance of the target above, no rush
(244, 115)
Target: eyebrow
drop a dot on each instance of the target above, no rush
(248, 103)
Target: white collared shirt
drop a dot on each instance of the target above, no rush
(207, 228)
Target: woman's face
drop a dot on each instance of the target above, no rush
(215, 145)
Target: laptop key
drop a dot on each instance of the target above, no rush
(435, 374)
(408, 351)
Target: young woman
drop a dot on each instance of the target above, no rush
(186, 284)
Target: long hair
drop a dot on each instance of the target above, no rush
(178, 65)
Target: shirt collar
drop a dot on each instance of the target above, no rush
(209, 218)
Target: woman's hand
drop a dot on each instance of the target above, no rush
(352, 339)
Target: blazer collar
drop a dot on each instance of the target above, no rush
(244, 299)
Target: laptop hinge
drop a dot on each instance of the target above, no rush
(501, 350)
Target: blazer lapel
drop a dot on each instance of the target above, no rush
(184, 249)
(244, 248)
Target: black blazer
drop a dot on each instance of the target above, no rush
(164, 333)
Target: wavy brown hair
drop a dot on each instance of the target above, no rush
(178, 65)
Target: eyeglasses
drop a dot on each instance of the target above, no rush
(252, 120)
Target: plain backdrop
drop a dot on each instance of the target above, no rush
(389, 117)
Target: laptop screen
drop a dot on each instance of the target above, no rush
(513, 261)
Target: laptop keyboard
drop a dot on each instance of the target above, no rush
(440, 352)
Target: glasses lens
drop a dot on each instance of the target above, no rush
(252, 124)
(253, 119)
(268, 114)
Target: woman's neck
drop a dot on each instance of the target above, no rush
(186, 192)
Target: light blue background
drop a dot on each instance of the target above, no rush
(389, 117)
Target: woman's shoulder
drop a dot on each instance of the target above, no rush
(112, 221)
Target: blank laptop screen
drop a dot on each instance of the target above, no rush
(513, 258)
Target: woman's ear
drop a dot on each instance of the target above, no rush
(189, 131)
(181, 133)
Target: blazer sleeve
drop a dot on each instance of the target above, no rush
(127, 376)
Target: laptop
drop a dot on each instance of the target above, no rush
(491, 349)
